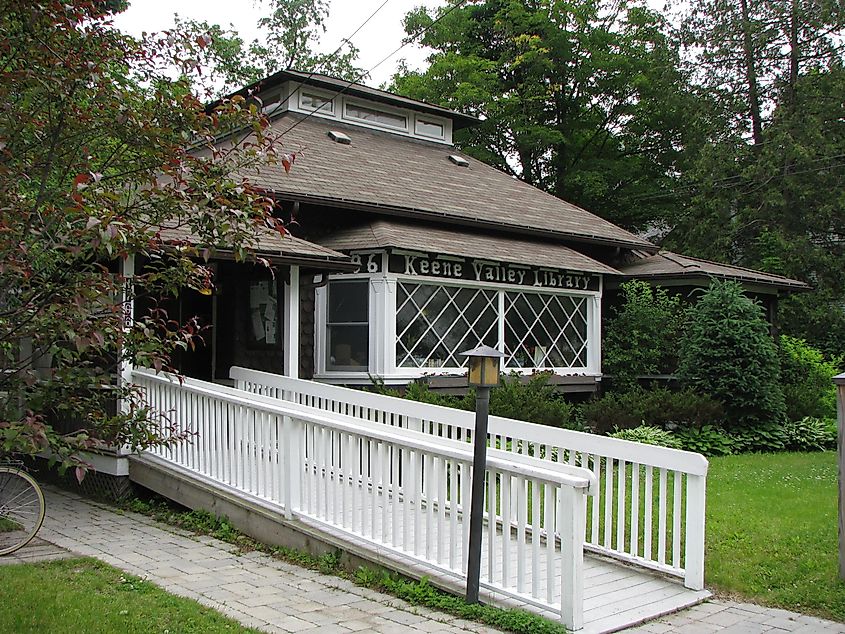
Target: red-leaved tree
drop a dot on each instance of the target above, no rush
(100, 147)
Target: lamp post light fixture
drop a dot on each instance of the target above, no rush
(483, 374)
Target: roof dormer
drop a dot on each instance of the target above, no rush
(355, 104)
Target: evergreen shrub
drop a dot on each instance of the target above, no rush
(641, 336)
(728, 353)
(657, 407)
(807, 380)
(534, 401)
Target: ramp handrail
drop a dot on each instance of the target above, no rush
(397, 489)
(649, 504)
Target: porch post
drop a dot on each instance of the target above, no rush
(127, 270)
(291, 348)
(840, 451)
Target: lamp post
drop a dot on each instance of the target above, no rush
(483, 375)
(839, 381)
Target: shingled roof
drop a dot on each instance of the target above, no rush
(391, 174)
(667, 265)
(416, 237)
(269, 243)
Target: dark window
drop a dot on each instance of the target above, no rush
(347, 325)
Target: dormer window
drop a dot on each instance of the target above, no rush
(313, 101)
(429, 128)
(376, 116)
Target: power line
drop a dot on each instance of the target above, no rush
(343, 42)
(730, 181)
(369, 70)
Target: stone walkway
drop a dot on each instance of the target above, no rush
(275, 596)
(257, 590)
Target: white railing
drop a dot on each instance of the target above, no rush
(649, 505)
(395, 489)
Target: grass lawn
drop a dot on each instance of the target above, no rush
(85, 595)
(772, 531)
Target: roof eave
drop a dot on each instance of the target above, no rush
(797, 287)
(423, 214)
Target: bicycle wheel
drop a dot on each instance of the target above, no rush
(21, 509)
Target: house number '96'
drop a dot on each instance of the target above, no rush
(372, 262)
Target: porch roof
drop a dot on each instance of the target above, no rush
(667, 265)
(382, 233)
(269, 244)
(396, 175)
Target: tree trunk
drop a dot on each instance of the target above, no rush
(751, 76)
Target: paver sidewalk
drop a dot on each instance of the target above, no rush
(275, 596)
(252, 588)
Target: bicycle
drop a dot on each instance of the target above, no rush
(21, 507)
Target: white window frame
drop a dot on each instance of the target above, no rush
(328, 96)
(383, 335)
(372, 105)
(421, 117)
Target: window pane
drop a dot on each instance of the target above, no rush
(545, 331)
(379, 117)
(348, 301)
(434, 324)
(348, 347)
(311, 101)
(430, 128)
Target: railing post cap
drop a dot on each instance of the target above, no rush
(839, 379)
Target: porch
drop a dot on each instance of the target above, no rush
(386, 479)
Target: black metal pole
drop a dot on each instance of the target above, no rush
(479, 468)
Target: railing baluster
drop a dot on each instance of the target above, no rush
(453, 513)
(620, 505)
(535, 538)
(442, 504)
(608, 503)
(635, 509)
(596, 501)
(661, 519)
(549, 522)
(521, 544)
(648, 523)
(490, 484)
(506, 528)
(428, 470)
(676, 521)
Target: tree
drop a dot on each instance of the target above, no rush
(291, 31)
(769, 192)
(729, 354)
(641, 336)
(585, 100)
(98, 151)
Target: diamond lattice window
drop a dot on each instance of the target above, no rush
(434, 323)
(545, 331)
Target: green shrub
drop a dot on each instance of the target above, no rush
(810, 434)
(807, 380)
(727, 352)
(707, 439)
(641, 336)
(762, 438)
(657, 407)
(535, 401)
(649, 435)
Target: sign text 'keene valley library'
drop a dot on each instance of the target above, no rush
(497, 273)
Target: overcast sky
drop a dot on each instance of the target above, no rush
(382, 35)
